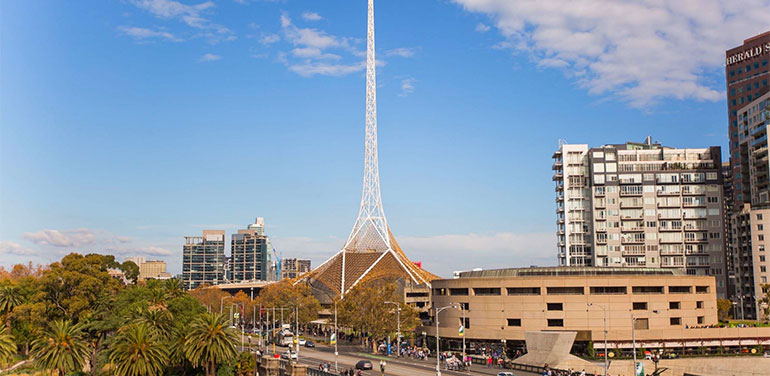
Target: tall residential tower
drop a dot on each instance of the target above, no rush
(203, 259)
(641, 205)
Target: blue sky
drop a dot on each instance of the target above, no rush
(127, 125)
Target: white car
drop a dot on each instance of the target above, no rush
(289, 355)
(302, 341)
(505, 374)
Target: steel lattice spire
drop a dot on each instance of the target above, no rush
(370, 232)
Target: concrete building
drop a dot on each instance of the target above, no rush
(748, 221)
(666, 307)
(252, 255)
(641, 205)
(293, 268)
(747, 74)
(203, 259)
(153, 269)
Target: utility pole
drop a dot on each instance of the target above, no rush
(438, 339)
(398, 327)
(336, 334)
(606, 361)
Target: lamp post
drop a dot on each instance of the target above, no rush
(633, 337)
(604, 310)
(222, 303)
(438, 339)
(398, 327)
(336, 354)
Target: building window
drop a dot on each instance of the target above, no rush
(556, 323)
(486, 291)
(465, 306)
(565, 290)
(647, 289)
(760, 227)
(701, 320)
(467, 323)
(675, 321)
(701, 289)
(523, 290)
(555, 307)
(439, 291)
(640, 306)
(459, 291)
(759, 217)
(641, 324)
(699, 304)
(514, 322)
(608, 290)
(674, 305)
(679, 289)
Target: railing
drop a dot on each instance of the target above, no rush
(318, 372)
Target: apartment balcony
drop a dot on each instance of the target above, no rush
(632, 228)
(631, 241)
(557, 165)
(632, 206)
(556, 154)
(560, 221)
(559, 198)
(558, 176)
(559, 187)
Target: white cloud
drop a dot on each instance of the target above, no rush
(407, 86)
(482, 28)
(209, 57)
(139, 33)
(317, 68)
(191, 15)
(64, 238)
(639, 51)
(270, 39)
(13, 248)
(402, 52)
(443, 254)
(310, 54)
(311, 16)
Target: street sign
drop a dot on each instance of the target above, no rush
(333, 339)
(461, 332)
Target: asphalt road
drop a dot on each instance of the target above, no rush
(394, 367)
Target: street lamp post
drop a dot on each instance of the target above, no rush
(438, 339)
(336, 335)
(604, 310)
(398, 327)
(222, 303)
(633, 337)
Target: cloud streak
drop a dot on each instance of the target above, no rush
(209, 57)
(191, 15)
(143, 34)
(640, 51)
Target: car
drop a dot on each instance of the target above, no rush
(302, 342)
(364, 365)
(309, 344)
(289, 355)
(505, 374)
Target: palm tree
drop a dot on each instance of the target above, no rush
(174, 288)
(61, 347)
(210, 341)
(10, 298)
(161, 321)
(138, 350)
(7, 346)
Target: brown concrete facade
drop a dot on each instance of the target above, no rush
(671, 309)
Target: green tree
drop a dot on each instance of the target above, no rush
(287, 295)
(130, 270)
(174, 288)
(7, 345)
(138, 350)
(246, 364)
(61, 348)
(723, 309)
(10, 298)
(71, 288)
(364, 309)
(210, 342)
(160, 320)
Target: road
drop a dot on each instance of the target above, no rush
(394, 367)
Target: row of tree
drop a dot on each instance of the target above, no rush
(73, 316)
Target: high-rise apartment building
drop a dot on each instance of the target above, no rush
(749, 220)
(203, 259)
(293, 268)
(252, 255)
(746, 71)
(747, 74)
(641, 205)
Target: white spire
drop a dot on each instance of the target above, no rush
(370, 231)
